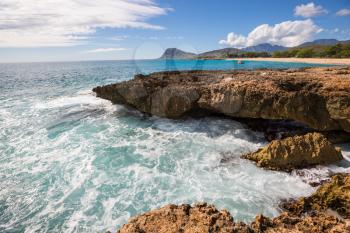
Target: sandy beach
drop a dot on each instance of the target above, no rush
(332, 61)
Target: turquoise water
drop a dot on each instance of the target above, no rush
(71, 162)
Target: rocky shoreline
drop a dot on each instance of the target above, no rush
(316, 97)
(302, 112)
(326, 211)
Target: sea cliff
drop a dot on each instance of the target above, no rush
(316, 97)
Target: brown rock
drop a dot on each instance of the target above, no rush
(175, 219)
(206, 218)
(317, 97)
(287, 223)
(296, 152)
(333, 195)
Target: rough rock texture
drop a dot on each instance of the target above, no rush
(207, 219)
(317, 97)
(287, 223)
(175, 219)
(296, 152)
(326, 211)
(333, 195)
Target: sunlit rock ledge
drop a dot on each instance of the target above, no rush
(317, 97)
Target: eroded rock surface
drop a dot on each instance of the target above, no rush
(319, 222)
(207, 219)
(326, 211)
(317, 97)
(296, 152)
(333, 195)
(200, 218)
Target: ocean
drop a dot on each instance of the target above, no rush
(71, 162)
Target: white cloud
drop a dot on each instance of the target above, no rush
(288, 33)
(235, 40)
(104, 50)
(118, 38)
(343, 12)
(309, 10)
(33, 23)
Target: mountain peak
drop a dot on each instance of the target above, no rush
(175, 53)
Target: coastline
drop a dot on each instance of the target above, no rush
(317, 98)
(330, 61)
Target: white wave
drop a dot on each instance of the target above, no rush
(320, 173)
(83, 98)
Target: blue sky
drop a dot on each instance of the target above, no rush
(65, 30)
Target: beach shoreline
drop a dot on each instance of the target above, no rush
(330, 61)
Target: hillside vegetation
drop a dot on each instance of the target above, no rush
(316, 51)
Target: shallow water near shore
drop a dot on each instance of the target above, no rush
(71, 162)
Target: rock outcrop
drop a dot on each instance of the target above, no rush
(317, 97)
(333, 195)
(296, 152)
(200, 218)
(308, 216)
(313, 223)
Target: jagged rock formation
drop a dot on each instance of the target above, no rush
(333, 195)
(317, 97)
(288, 223)
(296, 152)
(184, 218)
(301, 218)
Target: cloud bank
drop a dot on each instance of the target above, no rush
(33, 23)
(104, 50)
(288, 33)
(343, 12)
(309, 10)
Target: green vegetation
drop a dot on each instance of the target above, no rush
(249, 54)
(335, 51)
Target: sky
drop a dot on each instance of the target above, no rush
(75, 30)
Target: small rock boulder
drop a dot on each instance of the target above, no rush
(296, 152)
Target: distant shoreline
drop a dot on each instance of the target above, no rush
(330, 61)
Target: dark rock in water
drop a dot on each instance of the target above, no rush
(316, 97)
(296, 152)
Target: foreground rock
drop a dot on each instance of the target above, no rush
(205, 218)
(287, 223)
(184, 218)
(317, 97)
(333, 195)
(296, 152)
(307, 215)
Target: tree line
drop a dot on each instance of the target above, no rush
(335, 51)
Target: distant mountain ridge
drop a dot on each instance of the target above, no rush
(265, 47)
(320, 42)
(174, 53)
(219, 53)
